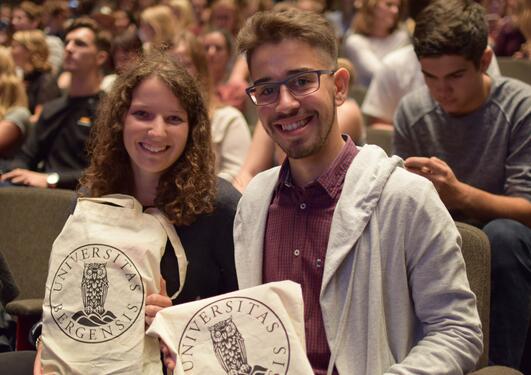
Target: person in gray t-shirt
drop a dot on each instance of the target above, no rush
(470, 134)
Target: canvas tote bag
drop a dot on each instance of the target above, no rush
(255, 331)
(102, 266)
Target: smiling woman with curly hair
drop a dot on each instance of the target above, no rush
(186, 188)
(151, 140)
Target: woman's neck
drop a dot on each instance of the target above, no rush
(146, 189)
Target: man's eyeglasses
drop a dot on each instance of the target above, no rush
(299, 84)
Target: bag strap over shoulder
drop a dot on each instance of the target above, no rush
(176, 244)
(120, 200)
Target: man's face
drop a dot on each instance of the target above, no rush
(21, 21)
(81, 54)
(454, 82)
(299, 125)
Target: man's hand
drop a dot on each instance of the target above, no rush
(450, 189)
(25, 177)
(156, 302)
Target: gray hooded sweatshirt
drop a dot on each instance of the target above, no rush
(395, 298)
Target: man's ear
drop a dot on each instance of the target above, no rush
(102, 57)
(341, 81)
(486, 58)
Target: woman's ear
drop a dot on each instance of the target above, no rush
(341, 81)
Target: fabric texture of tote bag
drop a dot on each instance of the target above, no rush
(103, 264)
(255, 331)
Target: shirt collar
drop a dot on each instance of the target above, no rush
(331, 180)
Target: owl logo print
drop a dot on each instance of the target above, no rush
(235, 335)
(97, 294)
(94, 287)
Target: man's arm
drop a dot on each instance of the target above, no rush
(451, 339)
(471, 201)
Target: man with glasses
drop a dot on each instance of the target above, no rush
(374, 249)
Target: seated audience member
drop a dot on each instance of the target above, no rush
(201, 15)
(58, 142)
(55, 16)
(27, 16)
(184, 14)
(224, 15)
(125, 48)
(469, 134)
(230, 132)
(383, 279)
(158, 27)
(123, 21)
(399, 74)
(219, 48)
(524, 24)
(264, 154)
(509, 37)
(377, 32)
(14, 114)
(154, 103)
(30, 53)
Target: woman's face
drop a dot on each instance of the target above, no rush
(217, 51)
(386, 12)
(182, 55)
(20, 54)
(155, 129)
(224, 17)
(121, 21)
(122, 57)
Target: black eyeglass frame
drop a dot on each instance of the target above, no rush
(319, 73)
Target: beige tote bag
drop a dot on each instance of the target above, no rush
(103, 264)
(255, 331)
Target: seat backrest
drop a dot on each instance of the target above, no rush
(476, 252)
(381, 137)
(30, 220)
(519, 69)
(357, 93)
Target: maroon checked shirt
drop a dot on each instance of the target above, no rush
(296, 237)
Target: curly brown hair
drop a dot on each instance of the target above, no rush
(187, 189)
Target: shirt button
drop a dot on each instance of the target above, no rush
(318, 263)
(302, 206)
(296, 252)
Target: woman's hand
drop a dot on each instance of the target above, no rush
(169, 359)
(37, 366)
(156, 302)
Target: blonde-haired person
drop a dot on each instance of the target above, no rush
(158, 27)
(30, 53)
(524, 24)
(14, 114)
(183, 12)
(230, 132)
(376, 32)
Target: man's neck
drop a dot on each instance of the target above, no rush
(305, 170)
(84, 84)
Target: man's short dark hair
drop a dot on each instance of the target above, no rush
(276, 26)
(451, 27)
(101, 38)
